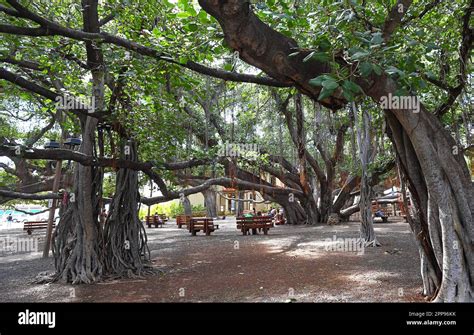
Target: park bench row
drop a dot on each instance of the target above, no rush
(246, 225)
(194, 225)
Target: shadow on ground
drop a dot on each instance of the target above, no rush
(302, 263)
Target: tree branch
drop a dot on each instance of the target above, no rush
(51, 28)
(427, 8)
(8, 169)
(227, 182)
(27, 196)
(394, 18)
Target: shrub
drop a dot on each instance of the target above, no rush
(172, 209)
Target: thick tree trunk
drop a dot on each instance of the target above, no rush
(442, 194)
(125, 241)
(294, 214)
(325, 201)
(430, 271)
(210, 198)
(76, 246)
(367, 233)
(311, 209)
(188, 210)
(293, 211)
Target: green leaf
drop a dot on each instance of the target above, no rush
(330, 84)
(348, 95)
(422, 84)
(183, 15)
(318, 81)
(393, 47)
(191, 27)
(322, 56)
(377, 69)
(362, 37)
(430, 46)
(401, 92)
(353, 50)
(319, 56)
(376, 39)
(324, 45)
(393, 70)
(348, 85)
(430, 75)
(365, 69)
(420, 33)
(203, 16)
(359, 55)
(191, 11)
(325, 92)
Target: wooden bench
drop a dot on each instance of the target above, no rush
(205, 224)
(279, 219)
(183, 220)
(153, 220)
(29, 226)
(245, 224)
(164, 218)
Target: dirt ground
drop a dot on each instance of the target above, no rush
(292, 263)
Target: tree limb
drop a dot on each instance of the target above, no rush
(28, 196)
(51, 28)
(394, 18)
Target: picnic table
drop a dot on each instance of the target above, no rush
(29, 226)
(205, 224)
(245, 224)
